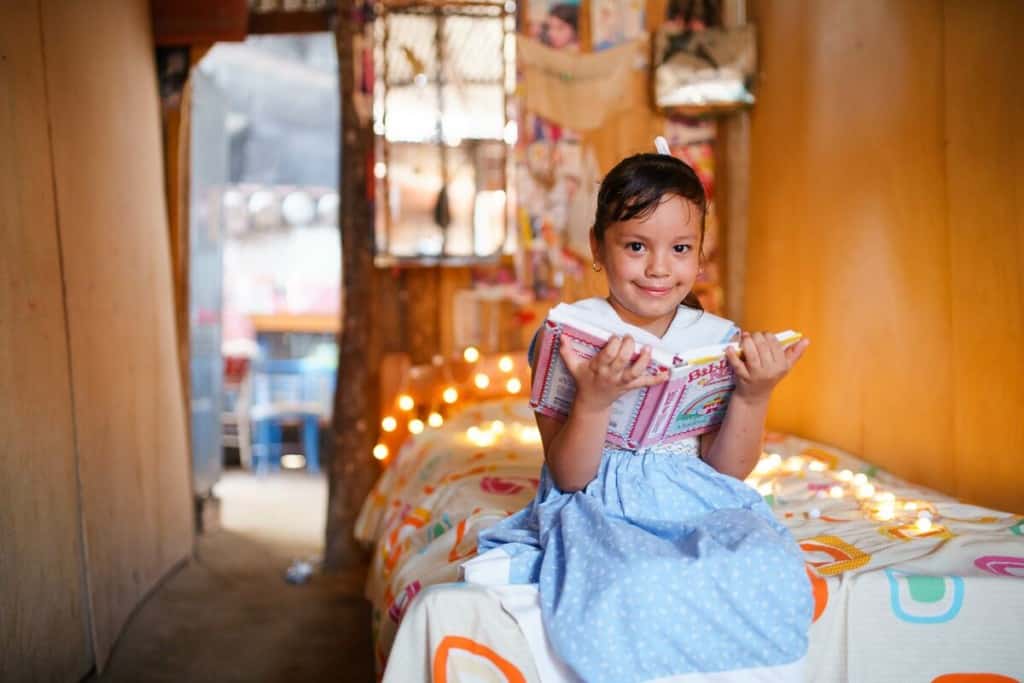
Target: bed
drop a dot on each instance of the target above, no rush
(909, 584)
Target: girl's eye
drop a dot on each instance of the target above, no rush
(635, 246)
(682, 248)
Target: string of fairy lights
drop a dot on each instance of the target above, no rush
(488, 377)
(874, 503)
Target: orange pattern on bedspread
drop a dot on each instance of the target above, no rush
(446, 658)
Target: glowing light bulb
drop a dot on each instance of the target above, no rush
(481, 381)
(505, 364)
(885, 497)
(389, 424)
(836, 491)
(513, 386)
(910, 506)
(817, 466)
(415, 426)
(860, 479)
(435, 420)
(529, 435)
(845, 475)
(471, 354)
(865, 491)
(380, 451)
(450, 395)
(498, 427)
(479, 437)
(885, 514)
(794, 463)
(405, 402)
(923, 524)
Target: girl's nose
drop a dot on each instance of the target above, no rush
(657, 265)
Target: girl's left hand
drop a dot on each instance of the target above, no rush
(763, 364)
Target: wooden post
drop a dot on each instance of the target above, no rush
(352, 469)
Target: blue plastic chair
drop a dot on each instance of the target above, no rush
(281, 390)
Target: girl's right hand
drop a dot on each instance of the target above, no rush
(611, 373)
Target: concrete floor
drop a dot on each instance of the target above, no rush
(228, 615)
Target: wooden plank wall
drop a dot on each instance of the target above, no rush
(95, 502)
(129, 416)
(885, 222)
(44, 632)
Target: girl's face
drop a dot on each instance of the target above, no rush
(558, 33)
(651, 263)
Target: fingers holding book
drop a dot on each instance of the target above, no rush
(616, 369)
(761, 361)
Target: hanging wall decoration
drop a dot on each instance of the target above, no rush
(693, 141)
(700, 67)
(579, 91)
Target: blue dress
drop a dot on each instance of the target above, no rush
(662, 566)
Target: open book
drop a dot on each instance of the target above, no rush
(692, 401)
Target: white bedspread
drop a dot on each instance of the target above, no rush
(910, 585)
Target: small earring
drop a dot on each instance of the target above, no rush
(596, 266)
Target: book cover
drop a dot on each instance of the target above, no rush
(692, 401)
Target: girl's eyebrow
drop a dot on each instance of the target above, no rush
(644, 238)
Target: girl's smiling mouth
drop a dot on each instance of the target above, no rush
(653, 291)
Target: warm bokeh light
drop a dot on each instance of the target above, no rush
(380, 451)
(471, 354)
(836, 492)
(450, 395)
(498, 427)
(505, 364)
(415, 426)
(481, 381)
(405, 402)
(865, 490)
(529, 435)
(923, 524)
(480, 437)
(389, 424)
(435, 420)
(845, 475)
(514, 386)
(794, 463)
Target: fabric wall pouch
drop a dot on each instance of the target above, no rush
(704, 72)
(579, 91)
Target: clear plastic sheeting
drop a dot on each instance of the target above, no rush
(284, 117)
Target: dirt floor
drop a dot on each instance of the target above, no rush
(229, 615)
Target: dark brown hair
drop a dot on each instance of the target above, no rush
(638, 184)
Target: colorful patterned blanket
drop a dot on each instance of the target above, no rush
(909, 584)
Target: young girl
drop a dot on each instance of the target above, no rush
(661, 562)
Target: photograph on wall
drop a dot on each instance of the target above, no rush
(555, 23)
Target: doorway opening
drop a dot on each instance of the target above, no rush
(264, 282)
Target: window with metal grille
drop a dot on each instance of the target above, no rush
(445, 76)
